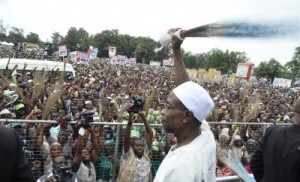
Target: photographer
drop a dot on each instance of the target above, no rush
(61, 171)
(135, 163)
(84, 160)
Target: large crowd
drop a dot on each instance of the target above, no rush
(100, 92)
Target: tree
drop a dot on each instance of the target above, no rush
(269, 69)
(76, 39)
(56, 40)
(33, 38)
(144, 51)
(190, 60)
(16, 35)
(84, 41)
(226, 61)
(293, 66)
(105, 39)
(3, 37)
(3, 31)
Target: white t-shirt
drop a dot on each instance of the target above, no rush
(193, 162)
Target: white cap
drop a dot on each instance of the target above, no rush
(5, 111)
(12, 85)
(88, 102)
(92, 80)
(195, 98)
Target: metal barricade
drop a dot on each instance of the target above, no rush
(116, 145)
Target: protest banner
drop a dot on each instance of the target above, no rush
(122, 60)
(202, 75)
(154, 63)
(79, 57)
(244, 70)
(281, 82)
(62, 51)
(94, 54)
(168, 62)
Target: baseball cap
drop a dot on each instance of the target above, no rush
(195, 98)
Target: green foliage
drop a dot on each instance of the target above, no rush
(56, 40)
(77, 40)
(15, 35)
(190, 60)
(2, 27)
(105, 39)
(142, 48)
(3, 37)
(33, 38)
(292, 67)
(269, 69)
(144, 51)
(272, 68)
(226, 61)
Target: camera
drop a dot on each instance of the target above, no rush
(64, 172)
(87, 118)
(138, 104)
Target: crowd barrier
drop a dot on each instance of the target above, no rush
(116, 146)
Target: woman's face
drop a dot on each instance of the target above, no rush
(56, 150)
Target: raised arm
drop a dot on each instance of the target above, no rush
(127, 134)
(24, 68)
(95, 142)
(181, 75)
(149, 131)
(79, 147)
(40, 140)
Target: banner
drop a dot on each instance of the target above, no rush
(90, 50)
(281, 82)
(192, 73)
(297, 81)
(83, 58)
(210, 74)
(168, 62)
(214, 76)
(155, 63)
(217, 77)
(29, 46)
(62, 51)
(94, 54)
(79, 57)
(132, 60)
(123, 60)
(112, 51)
(231, 80)
(202, 75)
(244, 70)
